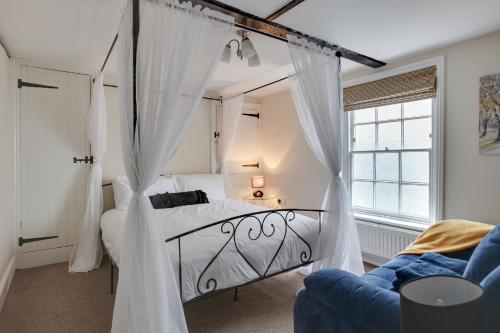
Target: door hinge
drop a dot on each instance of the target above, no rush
(216, 135)
(22, 240)
(87, 159)
(256, 115)
(21, 83)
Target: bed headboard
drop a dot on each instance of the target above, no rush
(196, 152)
(107, 196)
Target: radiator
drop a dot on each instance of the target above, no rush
(379, 243)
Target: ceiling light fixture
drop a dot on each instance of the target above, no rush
(245, 50)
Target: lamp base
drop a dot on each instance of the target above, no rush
(258, 194)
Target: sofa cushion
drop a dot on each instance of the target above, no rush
(485, 258)
(383, 276)
(429, 264)
(354, 299)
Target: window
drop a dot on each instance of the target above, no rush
(392, 162)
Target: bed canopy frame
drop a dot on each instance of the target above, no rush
(208, 286)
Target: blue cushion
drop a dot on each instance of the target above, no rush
(456, 265)
(418, 269)
(383, 276)
(486, 257)
(491, 285)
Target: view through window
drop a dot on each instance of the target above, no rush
(391, 159)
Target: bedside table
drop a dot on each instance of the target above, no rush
(268, 201)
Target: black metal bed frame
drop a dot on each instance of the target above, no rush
(258, 225)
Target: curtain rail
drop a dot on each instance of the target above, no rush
(207, 98)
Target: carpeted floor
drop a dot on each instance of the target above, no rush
(48, 299)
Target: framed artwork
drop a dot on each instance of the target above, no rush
(489, 114)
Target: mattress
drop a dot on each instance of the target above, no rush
(228, 255)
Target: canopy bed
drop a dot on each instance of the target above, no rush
(170, 256)
(222, 244)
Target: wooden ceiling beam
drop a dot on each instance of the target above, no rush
(278, 31)
(292, 4)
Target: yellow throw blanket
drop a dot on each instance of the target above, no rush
(449, 236)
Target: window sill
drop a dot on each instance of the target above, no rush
(402, 224)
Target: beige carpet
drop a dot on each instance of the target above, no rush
(48, 299)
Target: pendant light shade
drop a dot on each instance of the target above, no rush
(247, 48)
(226, 54)
(254, 61)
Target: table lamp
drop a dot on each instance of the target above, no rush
(258, 182)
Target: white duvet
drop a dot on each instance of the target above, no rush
(233, 265)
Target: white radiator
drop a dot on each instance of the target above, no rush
(379, 243)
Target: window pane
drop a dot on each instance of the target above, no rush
(362, 194)
(387, 166)
(415, 167)
(365, 137)
(387, 197)
(362, 166)
(415, 200)
(364, 116)
(389, 135)
(389, 112)
(418, 108)
(417, 133)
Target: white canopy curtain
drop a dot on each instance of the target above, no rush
(87, 254)
(231, 114)
(178, 49)
(317, 94)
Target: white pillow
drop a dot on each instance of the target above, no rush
(211, 184)
(162, 185)
(123, 193)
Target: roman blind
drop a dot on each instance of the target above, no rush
(411, 86)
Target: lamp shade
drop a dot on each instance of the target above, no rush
(226, 54)
(247, 48)
(254, 61)
(441, 303)
(258, 181)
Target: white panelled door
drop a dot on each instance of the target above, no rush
(53, 112)
(247, 148)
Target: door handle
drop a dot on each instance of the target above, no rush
(87, 159)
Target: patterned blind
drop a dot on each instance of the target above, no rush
(411, 86)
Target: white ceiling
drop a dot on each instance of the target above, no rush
(67, 34)
(76, 34)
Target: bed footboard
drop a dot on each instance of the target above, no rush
(255, 226)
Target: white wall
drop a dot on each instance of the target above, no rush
(192, 156)
(292, 171)
(471, 180)
(7, 216)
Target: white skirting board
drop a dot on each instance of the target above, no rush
(44, 257)
(6, 280)
(379, 243)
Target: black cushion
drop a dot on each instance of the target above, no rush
(170, 200)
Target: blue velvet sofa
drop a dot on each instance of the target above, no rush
(336, 301)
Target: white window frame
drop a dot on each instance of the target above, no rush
(436, 169)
